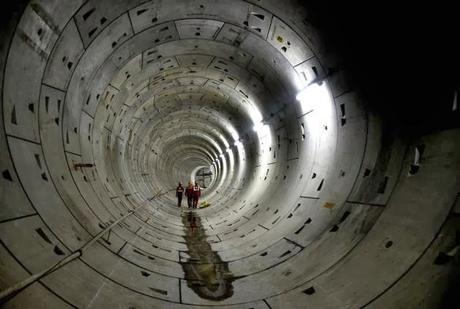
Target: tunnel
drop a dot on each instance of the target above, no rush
(324, 137)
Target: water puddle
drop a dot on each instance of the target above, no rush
(205, 272)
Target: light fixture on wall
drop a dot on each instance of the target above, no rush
(313, 96)
(258, 127)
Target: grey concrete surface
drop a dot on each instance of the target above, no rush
(314, 203)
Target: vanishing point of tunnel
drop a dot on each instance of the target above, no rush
(325, 139)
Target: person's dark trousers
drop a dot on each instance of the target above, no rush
(179, 200)
(189, 202)
(195, 202)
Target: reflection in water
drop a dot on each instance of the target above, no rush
(205, 272)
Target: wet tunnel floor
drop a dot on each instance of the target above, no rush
(205, 272)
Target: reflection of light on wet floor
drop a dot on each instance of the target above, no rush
(205, 272)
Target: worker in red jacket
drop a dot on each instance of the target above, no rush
(189, 194)
(196, 194)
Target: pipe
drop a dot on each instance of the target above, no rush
(76, 254)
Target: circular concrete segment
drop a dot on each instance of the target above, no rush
(312, 201)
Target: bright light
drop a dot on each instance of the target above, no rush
(234, 134)
(261, 129)
(263, 132)
(224, 141)
(313, 96)
(254, 114)
(258, 127)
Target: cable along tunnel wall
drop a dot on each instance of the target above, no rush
(118, 100)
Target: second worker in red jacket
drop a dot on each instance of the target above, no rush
(196, 193)
(189, 194)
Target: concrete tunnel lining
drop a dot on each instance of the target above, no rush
(315, 200)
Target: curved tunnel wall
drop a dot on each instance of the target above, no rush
(313, 201)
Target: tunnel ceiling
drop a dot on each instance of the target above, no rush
(321, 176)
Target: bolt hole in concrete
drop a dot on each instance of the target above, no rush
(388, 244)
(205, 272)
